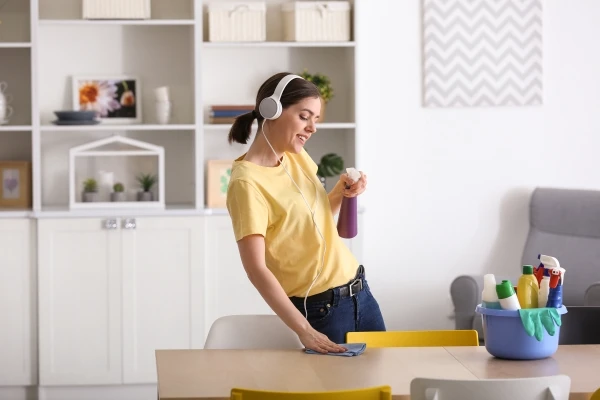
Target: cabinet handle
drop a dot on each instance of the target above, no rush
(129, 223)
(110, 224)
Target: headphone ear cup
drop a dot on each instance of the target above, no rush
(269, 108)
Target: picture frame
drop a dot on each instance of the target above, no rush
(116, 98)
(218, 175)
(15, 190)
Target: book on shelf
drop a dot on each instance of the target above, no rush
(226, 114)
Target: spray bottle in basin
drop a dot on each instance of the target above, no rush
(347, 225)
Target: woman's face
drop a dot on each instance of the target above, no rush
(295, 126)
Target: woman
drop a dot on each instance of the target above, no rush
(283, 220)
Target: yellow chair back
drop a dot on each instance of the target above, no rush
(596, 395)
(371, 393)
(415, 338)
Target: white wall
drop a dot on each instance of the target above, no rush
(449, 188)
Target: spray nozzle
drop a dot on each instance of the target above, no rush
(353, 174)
(556, 272)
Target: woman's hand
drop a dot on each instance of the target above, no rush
(350, 189)
(315, 340)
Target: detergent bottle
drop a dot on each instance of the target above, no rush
(507, 297)
(489, 297)
(527, 288)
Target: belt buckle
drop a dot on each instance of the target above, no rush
(352, 284)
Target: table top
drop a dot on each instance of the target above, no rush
(211, 374)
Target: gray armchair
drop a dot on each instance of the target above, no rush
(564, 223)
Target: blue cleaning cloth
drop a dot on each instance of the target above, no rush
(354, 349)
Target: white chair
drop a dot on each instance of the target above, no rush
(555, 387)
(251, 332)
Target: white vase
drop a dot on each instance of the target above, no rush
(163, 112)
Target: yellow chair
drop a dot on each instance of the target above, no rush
(372, 393)
(596, 395)
(437, 338)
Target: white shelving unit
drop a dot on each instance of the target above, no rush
(170, 49)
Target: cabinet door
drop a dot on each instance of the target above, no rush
(162, 291)
(228, 289)
(79, 302)
(17, 257)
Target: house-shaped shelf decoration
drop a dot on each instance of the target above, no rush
(121, 159)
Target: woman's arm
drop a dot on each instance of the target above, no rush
(252, 252)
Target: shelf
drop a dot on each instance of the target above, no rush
(110, 127)
(277, 44)
(170, 209)
(15, 128)
(15, 45)
(146, 22)
(14, 213)
(325, 125)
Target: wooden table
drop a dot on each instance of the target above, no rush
(211, 374)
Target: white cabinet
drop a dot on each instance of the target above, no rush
(17, 300)
(114, 290)
(228, 289)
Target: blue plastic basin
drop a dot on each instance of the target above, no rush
(505, 336)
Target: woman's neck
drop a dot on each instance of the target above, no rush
(261, 153)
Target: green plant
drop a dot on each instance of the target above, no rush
(118, 187)
(322, 82)
(330, 165)
(146, 181)
(90, 185)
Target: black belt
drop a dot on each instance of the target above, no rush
(347, 290)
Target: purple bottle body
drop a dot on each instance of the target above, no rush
(347, 225)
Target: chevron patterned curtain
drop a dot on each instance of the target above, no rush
(480, 53)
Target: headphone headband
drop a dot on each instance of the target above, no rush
(282, 84)
(270, 107)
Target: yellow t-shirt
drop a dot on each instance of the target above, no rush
(264, 200)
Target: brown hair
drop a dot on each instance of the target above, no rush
(296, 91)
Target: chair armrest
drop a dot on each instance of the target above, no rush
(465, 291)
(592, 295)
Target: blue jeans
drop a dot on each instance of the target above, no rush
(337, 316)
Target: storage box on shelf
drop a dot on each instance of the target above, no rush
(316, 21)
(116, 9)
(107, 165)
(237, 22)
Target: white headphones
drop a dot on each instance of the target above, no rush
(270, 107)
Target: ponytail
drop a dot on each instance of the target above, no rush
(242, 128)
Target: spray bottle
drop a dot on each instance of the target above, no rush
(347, 225)
(544, 289)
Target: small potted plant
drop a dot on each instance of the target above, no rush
(118, 193)
(90, 190)
(323, 83)
(330, 165)
(146, 182)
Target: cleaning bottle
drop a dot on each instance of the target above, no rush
(347, 225)
(527, 288)
(556, 293)
(507, 297)
(489, 297)
(544, 290)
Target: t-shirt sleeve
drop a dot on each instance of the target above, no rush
(247, 208)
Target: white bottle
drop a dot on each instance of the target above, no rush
(506, 295)
(544, 291)
(489, 297)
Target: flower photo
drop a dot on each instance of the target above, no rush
(115, 99)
